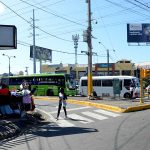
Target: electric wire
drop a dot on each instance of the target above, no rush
(54, 14)
(36, 27)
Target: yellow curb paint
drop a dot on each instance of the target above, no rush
(101, 106)
(97, 105)
(137, 108)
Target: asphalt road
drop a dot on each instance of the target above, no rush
(87, 128)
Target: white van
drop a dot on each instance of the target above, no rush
(103, 85)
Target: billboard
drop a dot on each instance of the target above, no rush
(8, 37)
(41, 53)
(137, 33)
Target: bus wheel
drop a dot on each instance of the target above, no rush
(127, 95)
(50, 92)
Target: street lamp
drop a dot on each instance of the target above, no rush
(9, 57)
(107, 56)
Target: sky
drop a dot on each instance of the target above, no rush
(56, 21)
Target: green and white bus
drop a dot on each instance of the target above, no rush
(47, 84)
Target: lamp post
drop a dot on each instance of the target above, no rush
(108, 72)
(9, 57)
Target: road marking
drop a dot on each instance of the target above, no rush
(79, 118)
(61, 122)
(72, 109)
(94, 115)
(107, 113)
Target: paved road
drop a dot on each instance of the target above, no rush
(77, 114)
(88, 128)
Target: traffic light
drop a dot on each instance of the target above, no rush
(145, 73)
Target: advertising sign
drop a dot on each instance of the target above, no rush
(137, 33)
(8, 37)
(41, 53)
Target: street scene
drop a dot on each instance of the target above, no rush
(74, 75)
(91, 126)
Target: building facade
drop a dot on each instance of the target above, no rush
(122, 67)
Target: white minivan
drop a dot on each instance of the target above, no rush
(103, 85)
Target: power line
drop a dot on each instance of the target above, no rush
(136, 5)
(54, 14)
(36, 27)
(133, 11)
(59, 51)
(142, 3)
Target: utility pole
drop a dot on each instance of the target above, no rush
(107, 50)
(34, 53)
(89, 43)
(108, 61)
(75, 38)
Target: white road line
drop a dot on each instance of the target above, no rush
(72, 109)
(94, 115)
(108, 113)
(64, 123)
(61, 122)
(79, 118)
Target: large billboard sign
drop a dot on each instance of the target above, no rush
(41, 53)
(8, 37)
(137, 33)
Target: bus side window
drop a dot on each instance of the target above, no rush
(84, 83)
(107, 82)
(96, 82)
(120, 84)
(127, 83)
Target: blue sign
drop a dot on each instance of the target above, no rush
(137, 33)
(104, 65)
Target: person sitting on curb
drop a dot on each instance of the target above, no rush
(5, 108)
(94, 96)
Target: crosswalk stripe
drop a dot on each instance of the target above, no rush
(107, 113)
(80, 118)
(61, 122)
(64, 123)
(94, 115)
(72, 109)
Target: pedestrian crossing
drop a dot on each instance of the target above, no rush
(94, 115)
(84, 117)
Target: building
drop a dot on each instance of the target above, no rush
(121, 67)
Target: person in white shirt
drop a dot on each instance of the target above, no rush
(62, 102)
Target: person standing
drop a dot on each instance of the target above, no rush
(62, 102)
(132, 88)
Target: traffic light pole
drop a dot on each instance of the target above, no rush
(89, 42)
(141, 85)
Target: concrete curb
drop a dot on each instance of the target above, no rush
(102, 106)
(137, 108)
(97, 105)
